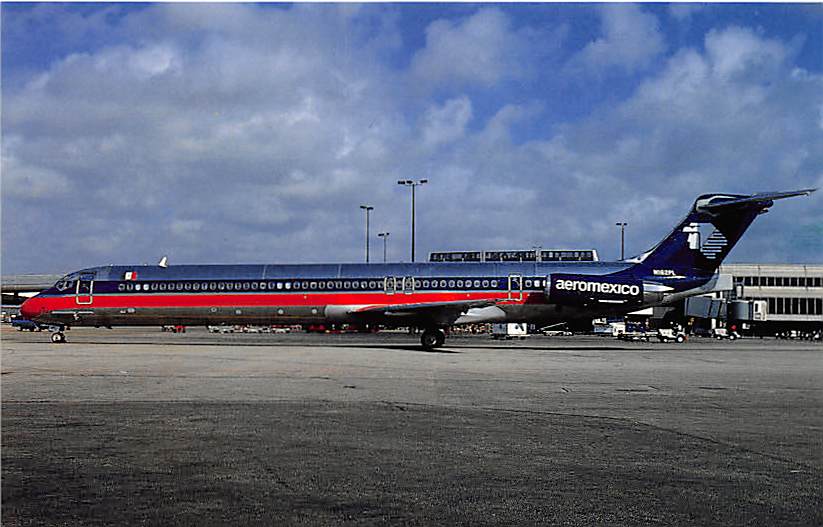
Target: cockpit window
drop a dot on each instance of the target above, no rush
(65, 283)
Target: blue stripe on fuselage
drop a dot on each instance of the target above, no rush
(377, 271)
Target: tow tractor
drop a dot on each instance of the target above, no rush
(671, 335)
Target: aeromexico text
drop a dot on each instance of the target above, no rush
(606, 288)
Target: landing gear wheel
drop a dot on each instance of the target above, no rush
(432, 338)
(680, 339)
(58, 337)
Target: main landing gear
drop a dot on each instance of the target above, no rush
(432, 338)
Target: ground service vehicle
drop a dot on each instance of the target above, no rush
(671, 335)
(510, 330)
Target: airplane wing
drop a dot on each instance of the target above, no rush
(438, 312)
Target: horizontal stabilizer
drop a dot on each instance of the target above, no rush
(719, 203)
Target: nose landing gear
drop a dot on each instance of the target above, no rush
(432, 338)
(57, 335)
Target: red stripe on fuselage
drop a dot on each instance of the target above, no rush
(275, 300)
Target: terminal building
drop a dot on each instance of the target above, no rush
(792, 295)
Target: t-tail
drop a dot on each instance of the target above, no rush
(697, 246)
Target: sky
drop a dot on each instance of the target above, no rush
(252, 133)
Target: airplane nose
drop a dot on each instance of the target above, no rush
(31, 308)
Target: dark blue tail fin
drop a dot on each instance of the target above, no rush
(697, 246)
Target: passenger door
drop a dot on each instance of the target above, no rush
(85, 289)
(515, 287)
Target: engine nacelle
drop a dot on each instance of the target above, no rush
(588, 290)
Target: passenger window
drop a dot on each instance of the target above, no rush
(288, 285)
(313, 285)
(121, 287)
(279, 285)
(528, 283)
(196, 286)
(485, 283)
(451, 283)
(372, 285)
(494, 284)
(442, 283)
(221, 286)
(213, 286)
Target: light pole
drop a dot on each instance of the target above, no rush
(385, 236)
(622, 225)
(367, 209)
(412, 183)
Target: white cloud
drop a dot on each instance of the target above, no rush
(631, 40)
(482, 49)
(683, 12)
(445, 123)
(736, 50)
(23, 180)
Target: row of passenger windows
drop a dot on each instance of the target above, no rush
(794, 306)
(330, 285)
(779, 281)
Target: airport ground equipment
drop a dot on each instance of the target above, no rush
(671, 335)
(510, 330)
(725, 334)
(428, 296)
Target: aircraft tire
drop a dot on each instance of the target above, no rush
(58, 338)
(680, 339)
(432, 338)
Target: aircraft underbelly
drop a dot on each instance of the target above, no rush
(91, 315)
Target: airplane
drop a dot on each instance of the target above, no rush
(428, 296)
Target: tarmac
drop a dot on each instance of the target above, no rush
(135, 426)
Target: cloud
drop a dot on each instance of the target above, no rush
(631, 39)
(481, 49)
(25, 181)
(683, 12)
(446, 122)
(736, 50)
